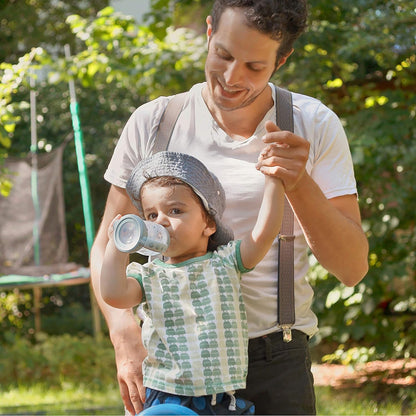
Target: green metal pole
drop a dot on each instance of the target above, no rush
(82, 168)
(85, 190)
(34, 173)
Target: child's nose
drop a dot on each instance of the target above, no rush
(162, 219)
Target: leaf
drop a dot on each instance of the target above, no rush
(333, 297)
(5, 141)
(5, 187)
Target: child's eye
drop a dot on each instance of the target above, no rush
(175, 211)
(151, 217)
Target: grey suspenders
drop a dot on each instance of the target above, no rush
(284, 119)
(168, 121)
(285, 283)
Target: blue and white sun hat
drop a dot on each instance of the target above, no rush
(191, 171)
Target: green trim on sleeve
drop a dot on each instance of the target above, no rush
(139, 278)
(239, 260)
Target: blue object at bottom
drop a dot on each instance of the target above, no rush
(167, 409)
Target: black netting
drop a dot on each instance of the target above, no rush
(17, 215)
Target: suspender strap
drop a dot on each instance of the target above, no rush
(285, 281)
(168, 121)
(284, 119)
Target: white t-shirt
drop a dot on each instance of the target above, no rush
(198, 134)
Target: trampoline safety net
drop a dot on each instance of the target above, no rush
(18, 217)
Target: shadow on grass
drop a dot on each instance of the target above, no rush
(378, 387)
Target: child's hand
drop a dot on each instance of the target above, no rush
(110, 231)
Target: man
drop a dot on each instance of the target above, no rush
(223, 124)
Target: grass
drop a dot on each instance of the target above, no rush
(43, 400)
(71, 400)
(351, 402)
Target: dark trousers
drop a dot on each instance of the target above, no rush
(279, 379)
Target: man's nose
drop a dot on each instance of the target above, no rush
(233, 73)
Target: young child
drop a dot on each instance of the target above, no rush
(195, 331)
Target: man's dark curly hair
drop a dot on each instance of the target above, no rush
(282, 20)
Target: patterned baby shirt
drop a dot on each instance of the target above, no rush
(196, 326)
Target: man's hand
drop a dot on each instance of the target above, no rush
(332, 227)
(284, 156)
(130, 354)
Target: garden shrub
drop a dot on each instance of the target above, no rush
(57, 360)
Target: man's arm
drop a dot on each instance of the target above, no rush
(125, 334)
(332, 227)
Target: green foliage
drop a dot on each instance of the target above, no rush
(357, 56)
(57, 360)
(181, 13)
(119, 66)
(14, 312)
(117, 50)
(351, 356)
(12, 77)
(64, 310)
(27, 24)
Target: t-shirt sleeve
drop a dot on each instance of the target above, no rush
(135, 270)
(332, 167)
(231, 254)
(330, 162)
(136, 141)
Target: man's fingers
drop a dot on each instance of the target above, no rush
(273, 150)
(136, 400)
(142, 393)
(132, 398)
(124, 393)
(271, 127)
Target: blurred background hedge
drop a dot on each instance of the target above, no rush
(358, 57)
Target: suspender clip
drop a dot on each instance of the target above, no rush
(287, 333)
(285, 237)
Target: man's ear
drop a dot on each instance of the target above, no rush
(283, 60)
(209, 27)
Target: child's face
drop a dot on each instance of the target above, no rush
(181, 213)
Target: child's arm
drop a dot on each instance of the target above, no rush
(118, 290)
(256, 244)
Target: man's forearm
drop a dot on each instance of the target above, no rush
(125, 333)
(332, 229)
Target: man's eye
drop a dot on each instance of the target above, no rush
(256, 68)
(224, 55)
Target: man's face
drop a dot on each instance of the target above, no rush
(240, 61)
